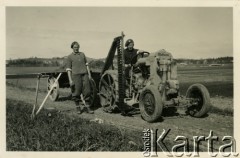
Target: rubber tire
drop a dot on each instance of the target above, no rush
(53, 98)
(157, 101)
(206, 103)
(93, 92)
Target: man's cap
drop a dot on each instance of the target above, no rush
(128, 42)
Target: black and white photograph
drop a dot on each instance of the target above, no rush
(151, 80)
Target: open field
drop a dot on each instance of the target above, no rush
(218, 80)
(46, 133)
(20, 70)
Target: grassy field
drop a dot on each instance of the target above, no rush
(21, 70)
(58, 132)
(218, 80)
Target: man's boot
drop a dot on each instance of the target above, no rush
(79, 109)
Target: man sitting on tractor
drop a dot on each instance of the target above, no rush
(129, 53)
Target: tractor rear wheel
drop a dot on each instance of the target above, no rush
(55, 92)
(150, 104)
(200, 93)
(108, 92)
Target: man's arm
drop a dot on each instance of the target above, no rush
(88, 70)
(69, 70)
(70, 77)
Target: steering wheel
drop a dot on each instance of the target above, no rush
(139, 55)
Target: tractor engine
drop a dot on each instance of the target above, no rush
(136, 84)
(158, 69)
(167, 71)
(138, 81)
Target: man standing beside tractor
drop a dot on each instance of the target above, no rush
(76, 68)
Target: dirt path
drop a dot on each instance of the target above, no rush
(180, 125)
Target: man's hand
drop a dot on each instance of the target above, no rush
(71, 83)
(72, 86)
(140, 51)
(127, 65)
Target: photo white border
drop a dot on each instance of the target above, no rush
(114, 3)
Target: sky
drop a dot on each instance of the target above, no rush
(186, 32)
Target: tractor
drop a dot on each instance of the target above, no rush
(151, 87)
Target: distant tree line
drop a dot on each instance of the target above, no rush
(61, 62)
(220, 60)
(96, 64)
(35, 62)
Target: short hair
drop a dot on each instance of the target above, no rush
(75, 42)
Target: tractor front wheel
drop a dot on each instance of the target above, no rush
(150, 104)
(200, 94)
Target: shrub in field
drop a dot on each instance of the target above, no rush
(62, 133)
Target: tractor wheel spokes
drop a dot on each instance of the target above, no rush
(110, 82)
(105, 83)
(55, 91)
(107, 92)
(103, 95)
